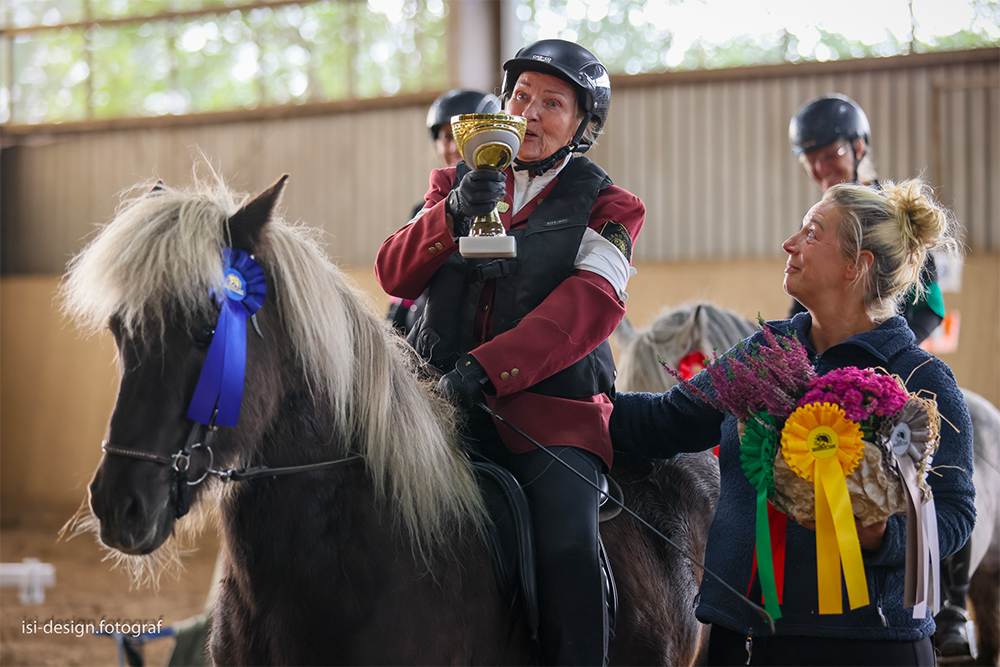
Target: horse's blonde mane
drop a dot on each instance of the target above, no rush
(407, 429)
(161, 254)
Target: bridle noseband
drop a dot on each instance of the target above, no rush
(200, 437)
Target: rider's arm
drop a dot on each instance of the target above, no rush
(581, 312)
(409, 258)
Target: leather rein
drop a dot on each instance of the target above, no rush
(200, 437)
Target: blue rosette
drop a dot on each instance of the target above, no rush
(220, 385)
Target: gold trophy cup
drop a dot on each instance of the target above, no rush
(488, 141)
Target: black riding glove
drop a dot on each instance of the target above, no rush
(465, 386)
(476, 195)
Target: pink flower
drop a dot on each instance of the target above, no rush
(861, 393)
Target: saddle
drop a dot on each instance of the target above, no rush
(511, 541)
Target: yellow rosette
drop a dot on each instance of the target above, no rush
(822, 446)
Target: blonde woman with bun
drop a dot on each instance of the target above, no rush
(856, 255)
(831, 136)
(899, 225)
(884, 235)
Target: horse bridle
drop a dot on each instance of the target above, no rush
(239, 299)
(200, 437)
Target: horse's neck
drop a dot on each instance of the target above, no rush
(259, 513)
(294, 547)
(299, 433)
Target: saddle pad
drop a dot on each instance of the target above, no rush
(510, 542)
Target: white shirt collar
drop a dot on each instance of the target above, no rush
(527, 186)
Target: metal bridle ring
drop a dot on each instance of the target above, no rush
(186, 466)
(179, 458)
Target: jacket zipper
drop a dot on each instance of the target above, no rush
(879, 585)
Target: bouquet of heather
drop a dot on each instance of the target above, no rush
(851, 445)
(770, 377)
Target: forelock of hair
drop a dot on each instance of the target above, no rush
(157, 258)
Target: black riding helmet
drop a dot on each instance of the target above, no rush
(456, 102)
(579, 67)
(825, 120)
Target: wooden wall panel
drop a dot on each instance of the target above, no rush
(709, 157)
(357, 176)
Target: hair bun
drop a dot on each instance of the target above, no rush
(898, 224)
(924, 223)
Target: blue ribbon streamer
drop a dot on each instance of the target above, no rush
(221, 381)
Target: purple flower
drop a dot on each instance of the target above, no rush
(862, 393)
(770, 377)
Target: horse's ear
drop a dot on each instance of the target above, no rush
(699, 326)
(157, 188)
(247, 225)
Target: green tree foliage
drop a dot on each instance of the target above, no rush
(632, 36)
(616, 31)
(244, 58)
(321, 50)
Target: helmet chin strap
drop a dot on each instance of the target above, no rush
(539, 167)
(857, 163)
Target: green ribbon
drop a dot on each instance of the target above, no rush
(758, 447)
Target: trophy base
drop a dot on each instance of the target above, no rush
(488, 246)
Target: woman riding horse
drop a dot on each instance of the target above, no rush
(529, 335)
(353, 528)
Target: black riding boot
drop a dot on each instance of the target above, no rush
(573, 618)
(954, 636)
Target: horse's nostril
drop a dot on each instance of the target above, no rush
(131, 510)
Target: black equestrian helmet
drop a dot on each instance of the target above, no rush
(456, 102)
(570, 62)
(825, 120)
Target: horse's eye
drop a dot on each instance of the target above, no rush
(203, 336)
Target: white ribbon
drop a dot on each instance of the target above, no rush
(923, 572)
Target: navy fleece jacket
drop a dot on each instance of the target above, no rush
(663, 425)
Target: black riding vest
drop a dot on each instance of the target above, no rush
(547, 247)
